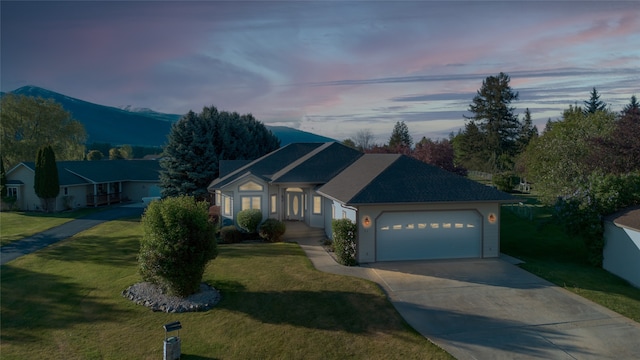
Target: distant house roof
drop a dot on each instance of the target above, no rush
(88, 172)
(394, 178)
(628, 218)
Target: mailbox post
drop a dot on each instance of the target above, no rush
(172, 343)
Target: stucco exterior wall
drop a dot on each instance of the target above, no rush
(622, 252)
(367, 235)
(136, 190)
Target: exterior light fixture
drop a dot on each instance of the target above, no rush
(492, 218)
(366, 221)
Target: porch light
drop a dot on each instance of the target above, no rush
(366, 221)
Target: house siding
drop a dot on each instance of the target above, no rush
(490, 231)
(621, 254)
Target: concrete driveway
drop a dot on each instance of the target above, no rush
(491, 309)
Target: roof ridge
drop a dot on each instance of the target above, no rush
(300, 160)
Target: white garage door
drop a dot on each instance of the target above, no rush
(428, 235)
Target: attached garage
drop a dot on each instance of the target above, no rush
(421, 235)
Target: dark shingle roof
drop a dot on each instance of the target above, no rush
(321, 165)
(269, 164)
(85, 172)
(392, 178)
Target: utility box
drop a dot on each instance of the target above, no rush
(171, 343)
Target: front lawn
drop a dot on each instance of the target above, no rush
(65, 302)
(562, 259)
(15, 225)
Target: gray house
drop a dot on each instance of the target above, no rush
(88, 183)
(405, 209)
(622, 245)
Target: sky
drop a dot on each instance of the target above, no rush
(333, 68)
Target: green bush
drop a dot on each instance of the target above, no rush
(248, 220)
(177, 244)
(272, 230)
(230, 234)
(344, 241)
(504, 181)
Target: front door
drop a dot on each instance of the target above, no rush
(294, 205)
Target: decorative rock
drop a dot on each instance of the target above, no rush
(151, 296)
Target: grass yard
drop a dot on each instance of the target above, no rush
(553, 255)
(15, 225)
(65, 302)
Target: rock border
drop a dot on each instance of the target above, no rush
(151, 296)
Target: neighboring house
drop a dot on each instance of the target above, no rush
(405, 209)
(88, 183)
(622, 245)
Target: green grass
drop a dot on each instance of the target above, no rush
(65, 302)
(15, 225)
(562, 259)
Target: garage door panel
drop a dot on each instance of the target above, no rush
(428, 235)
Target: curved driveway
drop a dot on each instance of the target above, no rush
(492, 309)
(41, 240)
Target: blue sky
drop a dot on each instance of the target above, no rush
(330, 67)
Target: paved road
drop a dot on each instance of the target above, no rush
(492, 309)
(41, 240)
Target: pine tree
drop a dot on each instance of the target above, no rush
(197, 143)
(400, 138)
(3, 180)
(496, 120)
(527, 131)
(46, 181)
(594, 103)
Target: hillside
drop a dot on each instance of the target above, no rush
(142, 127)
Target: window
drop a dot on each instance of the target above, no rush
(66, 190)
(250, 202)
(317, 204)
(218, 199)
(226, 205)
(12, 192)
(250, 186)
(274, 203)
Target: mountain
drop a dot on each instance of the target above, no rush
(137, 126)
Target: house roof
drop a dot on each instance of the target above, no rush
(86, 172)
(394, 178)
(319, 166)
(268, 164)
(628, 218)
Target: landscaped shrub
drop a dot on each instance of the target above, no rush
(272, 230)
(230, 234)
(177, 244)
(344, 241)
(248, 220)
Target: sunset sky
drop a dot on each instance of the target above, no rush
(330, 67)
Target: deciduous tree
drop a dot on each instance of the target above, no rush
(29, 123)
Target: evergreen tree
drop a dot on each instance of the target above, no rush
(594, 103)
(632, 108)
(3, 180)
(197, 143)
(527, 131)
(46, 181)
(496, 120)
(400, 137)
